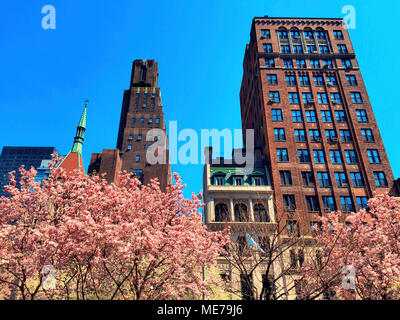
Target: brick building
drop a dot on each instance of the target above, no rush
(303, 94)
(141, 112)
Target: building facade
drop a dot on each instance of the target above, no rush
(12, 158)
(141, 126)
(303, 94)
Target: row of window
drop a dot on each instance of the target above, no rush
(307, 34)
(219, 180)
(145, 95)
(241, 213)
(328, 203)
(304, 80)
(302, 64)
(298, 48)
(307, 97)
(300, 135)
(326, 115)
(149, 120)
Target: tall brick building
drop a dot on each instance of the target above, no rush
(141, 111)
(303, 94)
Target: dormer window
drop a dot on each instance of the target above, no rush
(238, 180)
(219, 180)
(258, 181)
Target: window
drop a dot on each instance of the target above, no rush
(300, 135)
(129, 147)
(258, 181)
(310, 116)
(308, 35)
(133, 120)
(137, 95)
(335, 156)
(347, 204)
(342, 48)
(137, 158)
(307, 97)
(328, 63)
(351, 80)
(326, 116)
(329, 203)
(338, 34)
(144, 105)
(150, 120)
(145, 96)
(285, 49)
(282, 155)
(322, 98)
(373, 156)
(330, 135)
(276, 115)
(380, 179)
(308, 179)
(340, 116)
(260, 213)
(297, 49)
(346, 63)
(289, 202)
(141, 120)
(279, 134)
(291, 80)
(301, 63)
(331, 80)
(319, 81)
(293, 228)
(157, 120)
(316, 226)
(219, 180)
(272, 79)
(335, 97)
(323, 48)
(286, 178)
(304, 80)
(238, 180)
(274, 96)
(293, 98)
(246, 285)
(323, 178)
(345, 136)
(312, 203)
(267, 47)
(288, 63)
(356, 179)
(270, 63)
(137, 172)
(265, 33)
(367, 135)
(296, 116)
(351, 156)
(221, 212)
(130, 137)
(304, 155)
(320, 35)
(356, 97)
(362, 202)
(314, 135)
(341, 180)
(241, 214)
(362, 116)
(319, 156)
(311, 49)
(295, 34)
(282, 34)
(139, 137)
(315, 64)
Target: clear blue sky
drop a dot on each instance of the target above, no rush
(46, 75)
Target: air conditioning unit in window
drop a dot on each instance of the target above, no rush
(310, 102)
(325, 67)
(271, 100)
(333, 139)
(329, 84)
(317, 139)
(345, 184)
(290, 208)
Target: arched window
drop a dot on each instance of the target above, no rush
(221, 212)
(241, 214)
(260, 213)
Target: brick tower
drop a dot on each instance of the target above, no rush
(303, 94)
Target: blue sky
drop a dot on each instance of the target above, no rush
(46, 75)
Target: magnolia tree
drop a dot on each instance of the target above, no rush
(78, 237)
(358, 255)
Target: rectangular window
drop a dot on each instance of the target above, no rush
(314, 135)
(338, 34)
(288, 63)
(315, 64)
(276, 115)
(219, 180)
(137, 158)
(329, 203)
(356, 179)
(346, 63)
(330, 135)
(312, 203)
(335, 156)
(301, 63)
(304, 155)
(345, 136)
(320, 35)
(308, 179)
(341, 180)
(323, 49)
(282, 34)
(347, 204)
(356, 97)
(351, 80)
(272, 79)
(367, 135)
(362, 203)
(296, 116)
(380, 179)
(238, 181)
(157, 120)
(319, 156)
(323, 178)
(265, 33)
(331, 80)
(322, 98)
(274, 96)
(336, 99)
(342, 48)
(304, 81)
(289, 202)
(373, 156)
(319, 81)
(141, 120)
(133, 120)
(280, 134)
(326, 116)
(291, 80)
(340, 116)
(300, 135)
(293, 98)
(267, 47)
(328, 63)
(282, 155)
(312, 49)
(286, 178)
(258, 181)
(362, 116)
(297, 49)
(308, 35)
(270, 63)
(351, 156)
(310, 116)
(295, 34)
(307, 97)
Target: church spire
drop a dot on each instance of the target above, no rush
(80, 132)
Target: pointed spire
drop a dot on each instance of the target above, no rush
(80, 132)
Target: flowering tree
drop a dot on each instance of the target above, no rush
(78, 237)
(358, 255)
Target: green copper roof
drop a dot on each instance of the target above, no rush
(80, 132)
(82, 122)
